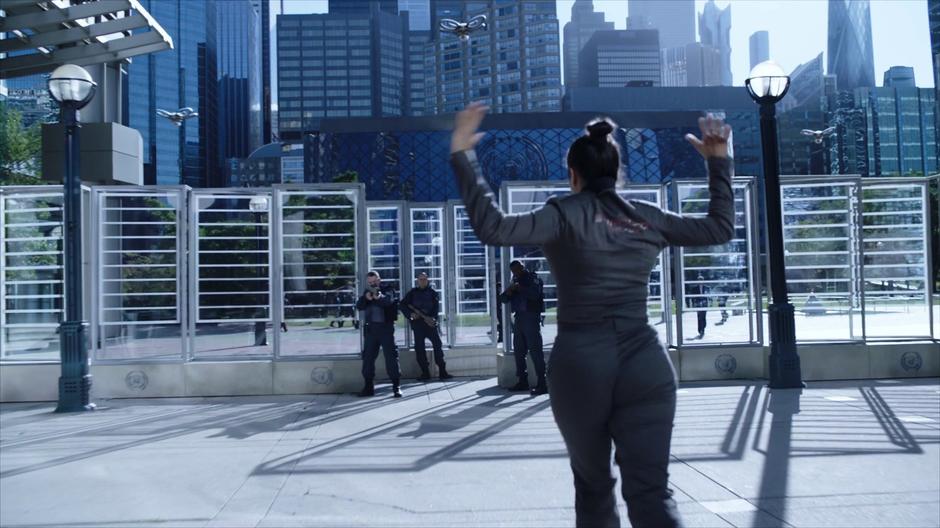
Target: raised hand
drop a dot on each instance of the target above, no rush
(466, 124)
(716, 138)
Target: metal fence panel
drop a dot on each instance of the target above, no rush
(140, 274)
(718, 281)
(822, 256)
(318, 262)
(231, 280)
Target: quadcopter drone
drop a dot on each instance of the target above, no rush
(818, 135)
(463, 29)
(178, 116)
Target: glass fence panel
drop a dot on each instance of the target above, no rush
(820, 236)
(384, 234)
(139, 279)
(427, 253)
(231, 275)
(894, 247)
(33, 275)
(473, 289)
(719, 302)
(318, 261)
(934, 208)
(522, 199)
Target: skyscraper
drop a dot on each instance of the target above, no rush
(674, 19)
(933, 14)
(900, 130)
(617, 58)
(358, 7)
(185, 76)
(264, 8)
(333, 65)
(807, 85)
(760, 47)
(416, 56)
(584, 22)
(513, 66)
(691, 65)
(419, 13)
(899, 76)
(239, 49)
(850, 47)
(714, 27)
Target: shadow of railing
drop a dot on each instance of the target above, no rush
(392, 446)
(277, 414)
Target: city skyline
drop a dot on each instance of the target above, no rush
(798, 30)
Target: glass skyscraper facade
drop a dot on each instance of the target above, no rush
(185, 76)
(691, 65)
(617, 58)
(418, 43)
(263, 7)
(513, 66)
(850, 53)
(240, 83)
(901, 130)
(933, 15)
(359, 7)
(884, 132)
(714, 28)
(674, 19)
(339, 66)
(419, 13)
(584, 23)
(759, 47)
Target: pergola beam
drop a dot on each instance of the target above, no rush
(84, 34)
(65, 36)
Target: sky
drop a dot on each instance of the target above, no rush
(798, 30)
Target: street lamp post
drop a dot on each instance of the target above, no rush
(71, 86)
(767, 84)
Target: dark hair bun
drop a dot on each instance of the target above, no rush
(600, 128)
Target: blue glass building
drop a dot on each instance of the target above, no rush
(183, 77)
(407, 158)
(850, 52)
(240, 85)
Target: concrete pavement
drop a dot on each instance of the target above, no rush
(466, 453)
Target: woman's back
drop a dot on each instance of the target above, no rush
(601, 265)
(601, 249)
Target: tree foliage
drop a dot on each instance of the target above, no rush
(20, 149)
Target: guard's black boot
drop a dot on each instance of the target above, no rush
(444, 375)
(540, 389)
(396, 390)
(425, 375)
(367, 390)
(522, 385)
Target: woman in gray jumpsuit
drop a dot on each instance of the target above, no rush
(610, 379)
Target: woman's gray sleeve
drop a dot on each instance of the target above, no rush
(489, 223)
(717, 227)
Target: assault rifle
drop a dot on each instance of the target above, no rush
(428, 320)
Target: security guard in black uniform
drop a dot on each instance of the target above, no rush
(422, 307)
(380, 304)
(524, 296)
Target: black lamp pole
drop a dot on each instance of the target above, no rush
(75, 380)
(784, 360)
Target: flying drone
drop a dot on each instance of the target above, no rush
(178, 116)
(463, 29)
(818, 135)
